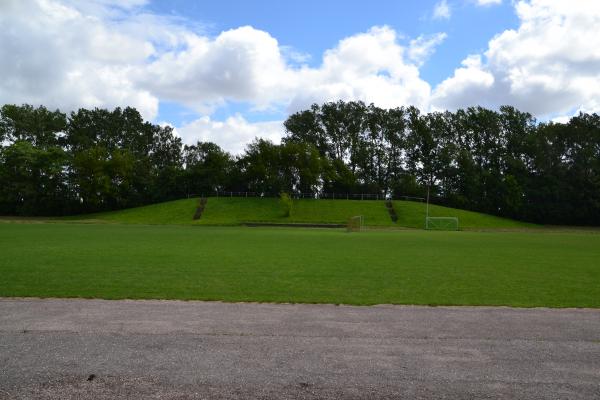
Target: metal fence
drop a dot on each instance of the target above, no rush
(332, 196)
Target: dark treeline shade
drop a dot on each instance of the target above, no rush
(500, 162)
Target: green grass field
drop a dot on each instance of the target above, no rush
(114, 261)
(235, 211)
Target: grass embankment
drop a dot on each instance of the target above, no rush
(300, 265)
(235, 211)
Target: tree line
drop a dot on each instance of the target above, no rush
(500, 162)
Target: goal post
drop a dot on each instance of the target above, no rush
(355, 224)
(441, 223)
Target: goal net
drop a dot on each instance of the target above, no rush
(441, 223)
(355, 224)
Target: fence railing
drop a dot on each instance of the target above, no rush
(332, 196)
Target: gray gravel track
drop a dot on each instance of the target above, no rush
(179, 350)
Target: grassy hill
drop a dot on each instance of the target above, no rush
(236, 211)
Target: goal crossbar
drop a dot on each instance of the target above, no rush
(441, 223)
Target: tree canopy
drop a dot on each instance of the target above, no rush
(501, 162)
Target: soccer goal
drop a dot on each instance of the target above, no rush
(441, 223)
(355, 224)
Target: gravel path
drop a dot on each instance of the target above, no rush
(83, 349)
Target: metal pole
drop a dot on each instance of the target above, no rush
(427, 213)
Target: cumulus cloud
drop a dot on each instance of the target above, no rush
(442, 10)
(233, 134)
(106, 53)
(470, 85)
(246, 64)
(243, 64)
(52, 54)
(549, 65)
(370, 66)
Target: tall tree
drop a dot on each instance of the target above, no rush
(207, 168)
(39, 126)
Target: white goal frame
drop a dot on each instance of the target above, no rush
(442, 223)
(353, 222)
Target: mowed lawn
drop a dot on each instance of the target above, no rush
(300, 265)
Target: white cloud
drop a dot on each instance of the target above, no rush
(548, 66)
(233, 134)
(52, 54)
(106, 53)
(442, 10)
(488, 2)
(469, 85)
(110, 53)
(421, 48)
(246, 64)
(242, 64)
(370, 66)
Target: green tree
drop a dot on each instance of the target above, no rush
(39, 126)
(33, 180)
(207, 168)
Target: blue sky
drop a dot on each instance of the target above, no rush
(230, 71)
(311, 27)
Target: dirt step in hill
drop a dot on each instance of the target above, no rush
(390, 207)
(200, 208)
